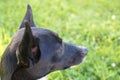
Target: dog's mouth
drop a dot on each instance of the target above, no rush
(79, 59)
(76, 57)
(74, 62)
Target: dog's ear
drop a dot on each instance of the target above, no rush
(29, 17)
(23, 52)
(28, 49)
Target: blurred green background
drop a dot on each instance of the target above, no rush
(92, 23)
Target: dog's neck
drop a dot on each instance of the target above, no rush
(32, 73)
(22, 74)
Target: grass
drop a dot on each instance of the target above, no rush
(92, 23)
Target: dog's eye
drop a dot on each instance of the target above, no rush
(60, 40)
(57, 38)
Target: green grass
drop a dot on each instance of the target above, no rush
(92, 23)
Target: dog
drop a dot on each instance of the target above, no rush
(35, 52)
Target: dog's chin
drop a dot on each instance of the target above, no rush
(43, 78)
(73, 66)
(84, 59)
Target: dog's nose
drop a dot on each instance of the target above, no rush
(83, 50)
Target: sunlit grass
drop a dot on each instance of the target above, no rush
(94, 24)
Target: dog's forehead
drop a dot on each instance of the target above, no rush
(36, 32)
(41, 31)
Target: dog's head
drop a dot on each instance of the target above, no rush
(40, 51)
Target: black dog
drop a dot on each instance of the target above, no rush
(35, 52)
